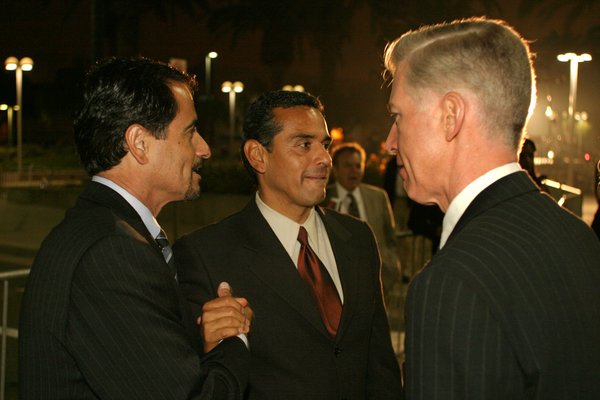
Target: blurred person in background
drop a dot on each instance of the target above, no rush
(350, 195)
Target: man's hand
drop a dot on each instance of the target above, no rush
(224, 317)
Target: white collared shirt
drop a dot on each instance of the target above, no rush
(143, 211)
(459, 204)
(286, 231)
(344, 201)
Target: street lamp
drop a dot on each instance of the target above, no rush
(9, 119)
(574, 61)
(207, 61)
(293, 88)
(232, 89)
(14, 64)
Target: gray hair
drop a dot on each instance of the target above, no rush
(487, 57)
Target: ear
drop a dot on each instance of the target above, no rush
(453, 114)
(255, 153)
(136, 140)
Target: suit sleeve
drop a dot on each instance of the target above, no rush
(196, 284)
(383, 375)
(455, 348)
(127, 335)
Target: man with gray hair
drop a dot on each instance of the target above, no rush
(495, 314)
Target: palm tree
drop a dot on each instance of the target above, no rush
(114, 24)
(568, 36)
(286, 25)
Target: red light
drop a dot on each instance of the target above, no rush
(587, 156)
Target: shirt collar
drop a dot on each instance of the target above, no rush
(343, 192)
(149, 221)
(459, 204)
(287, 229)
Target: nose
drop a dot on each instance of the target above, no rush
(201, 147)
(323, 156)
(391, 143)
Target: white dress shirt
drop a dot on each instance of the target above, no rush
(459, 204)
(145, 214)
(287, 230)
(343, 202)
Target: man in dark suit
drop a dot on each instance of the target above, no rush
(509, 307)
(102, 316)
(320, 330)
(350, 195)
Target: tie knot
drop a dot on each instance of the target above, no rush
(161, 239)
(303, 236)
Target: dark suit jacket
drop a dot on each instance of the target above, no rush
(292, 355)
(509, 308)
(102, 316)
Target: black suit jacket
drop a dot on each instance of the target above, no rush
(292, 355)
(510, 307)
(102, 316)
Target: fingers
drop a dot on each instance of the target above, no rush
(223, 317)
(221, 323)
(224, 289)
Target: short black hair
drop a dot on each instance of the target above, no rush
(119, 92)
(348, 147)
(260, 123)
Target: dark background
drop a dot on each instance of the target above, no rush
(333, 48)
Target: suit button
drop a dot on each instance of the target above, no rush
(337, 351)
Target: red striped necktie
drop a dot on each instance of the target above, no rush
(324, 292)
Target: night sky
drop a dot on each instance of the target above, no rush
(58, 39)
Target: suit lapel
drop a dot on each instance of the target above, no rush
(346, 260)
(510, 186)
(369, 203)
(266, 258)
(105, 196)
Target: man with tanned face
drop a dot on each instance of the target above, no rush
(320, 330)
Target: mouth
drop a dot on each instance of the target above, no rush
(318, 177)
(197, 167)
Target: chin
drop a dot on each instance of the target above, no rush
(192, 193)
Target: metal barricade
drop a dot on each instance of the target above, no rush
(6, 277)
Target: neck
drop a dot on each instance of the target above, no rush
(471, 157)
(134, 186)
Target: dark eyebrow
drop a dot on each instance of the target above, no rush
(193, 124)
(301, 135)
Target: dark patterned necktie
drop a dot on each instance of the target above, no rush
(352, 206)
(323, 289)
(166, 250)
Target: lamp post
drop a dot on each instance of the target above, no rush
(574, 60)
(9, 119)
(207, 64)
(14, 64)
(293, 88)
(232, 89)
